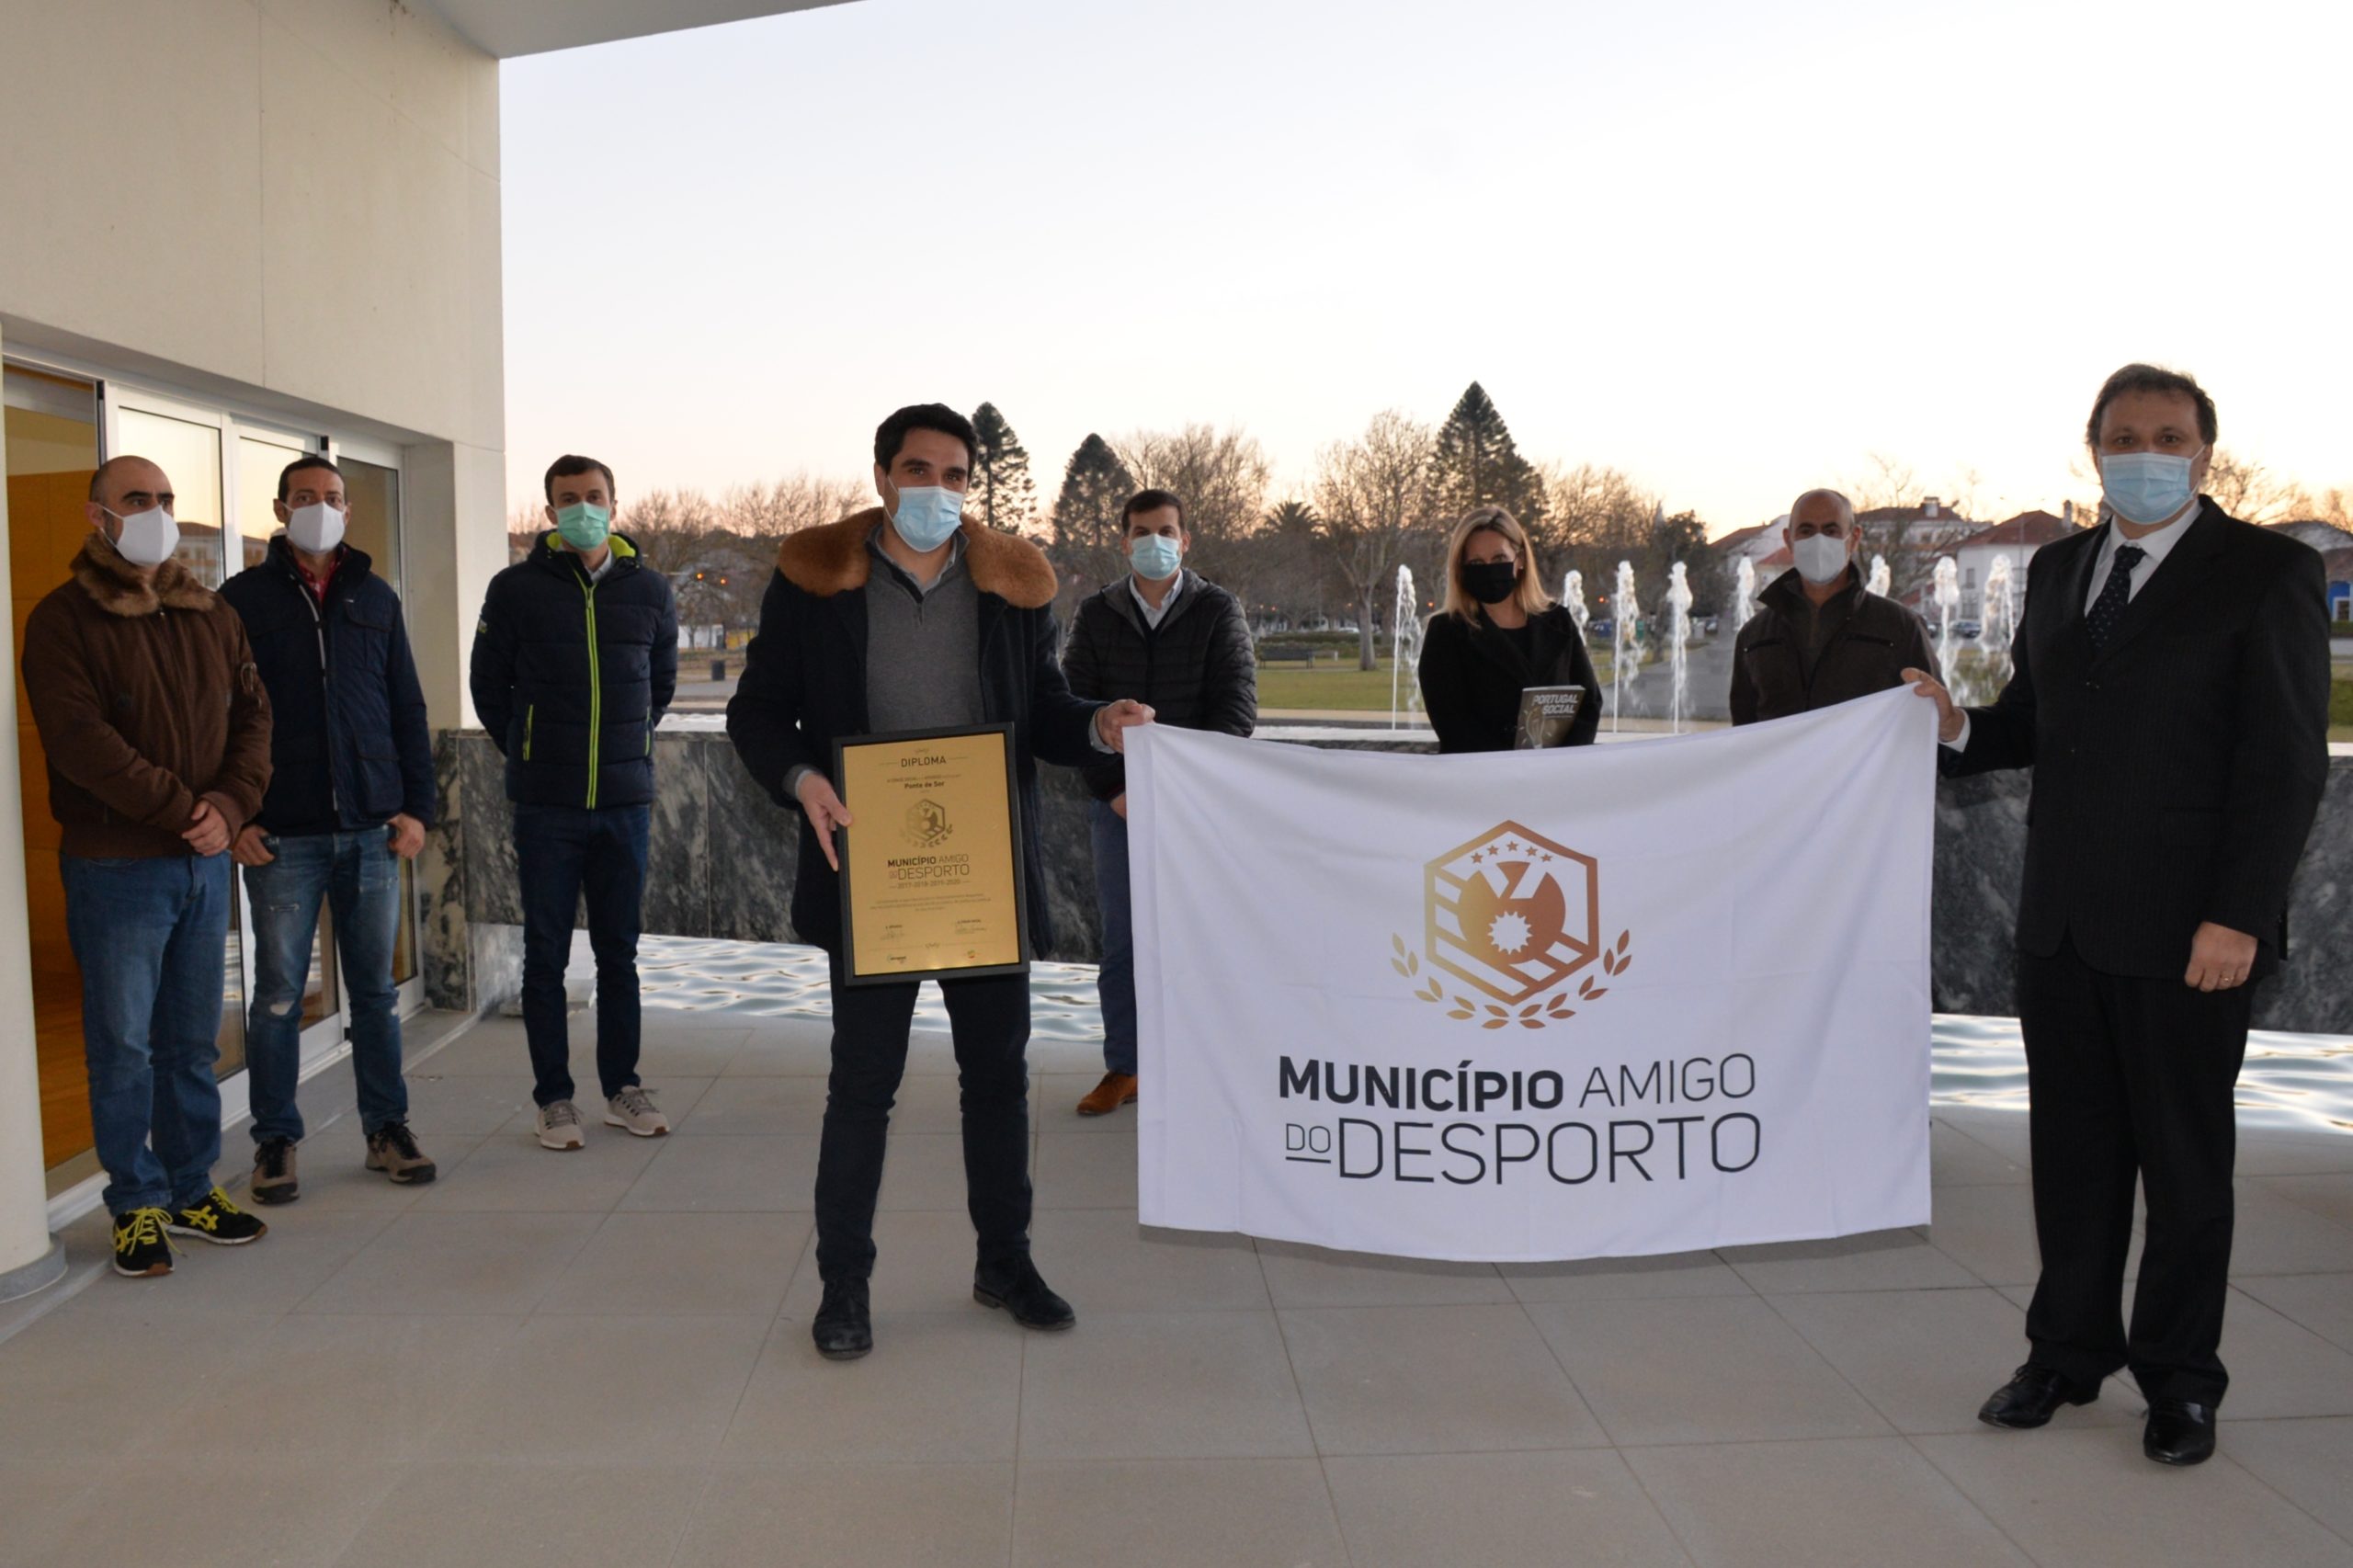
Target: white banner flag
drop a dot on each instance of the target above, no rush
(1529, 1005)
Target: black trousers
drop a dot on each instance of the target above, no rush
(2131, 1082)
(989, 1020)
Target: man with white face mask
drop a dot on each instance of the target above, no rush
(156, 731)
(1820, 637)
(2171, 694)
(350, 796)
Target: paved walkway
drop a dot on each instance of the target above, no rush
(602, 1358)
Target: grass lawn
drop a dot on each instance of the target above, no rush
(1338, 685)
(1327, 683)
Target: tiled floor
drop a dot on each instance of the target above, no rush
(603, 1357)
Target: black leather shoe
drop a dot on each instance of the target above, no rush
(1017, 1289)
(844, 1329)
(2032, 1396)
(2179, 1431)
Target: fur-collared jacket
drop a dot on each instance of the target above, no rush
(804, 686)
(147, 701)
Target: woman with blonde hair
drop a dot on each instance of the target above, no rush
(1498, 633)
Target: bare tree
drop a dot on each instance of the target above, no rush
(1221, 475)
(800, 500)
(1881, 480)
(2252, 493)
(1373, 497)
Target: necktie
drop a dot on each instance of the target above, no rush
(2114, 594)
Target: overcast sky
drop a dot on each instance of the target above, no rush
(1731, 249)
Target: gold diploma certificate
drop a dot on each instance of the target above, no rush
(932, 880)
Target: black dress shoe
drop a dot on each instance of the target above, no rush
(2032, 1396)
(844, 1329)
(2179, 1431)
(1017, 1289)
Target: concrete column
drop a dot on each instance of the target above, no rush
(454, 528)
(29, 1259)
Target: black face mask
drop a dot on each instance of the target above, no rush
(1490, 582)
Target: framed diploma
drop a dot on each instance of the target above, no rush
(932, 882)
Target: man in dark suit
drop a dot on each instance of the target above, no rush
(2171, 693)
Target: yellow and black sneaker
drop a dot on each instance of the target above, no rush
(142, 1250)
(219, 1221)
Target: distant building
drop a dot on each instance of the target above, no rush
(2336, 568)
(2018, 537)
(2323, 537)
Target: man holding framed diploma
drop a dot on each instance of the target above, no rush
(900, 694)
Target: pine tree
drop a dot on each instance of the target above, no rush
(1477, 464)
(1096, 484)
(1001, 493)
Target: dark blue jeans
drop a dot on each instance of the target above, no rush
(1116, 981)
(151, 936)
(561, 854)
(360, 878)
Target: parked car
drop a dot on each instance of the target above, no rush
(1601, 626)
(1968, 630)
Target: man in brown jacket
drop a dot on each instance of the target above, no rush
(1819, 637)
(157, 735)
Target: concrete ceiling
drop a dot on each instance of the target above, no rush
(509, 27)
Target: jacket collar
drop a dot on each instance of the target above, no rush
(831, 559)
(349, 572)
(1785, 593)
(114, 586)
(1120, 595)
(2173, 576)
(552, 554)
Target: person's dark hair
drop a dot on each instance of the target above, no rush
(891, 434)
(1151, 501)
(2151, 379)
(314, 460)
(571, 465)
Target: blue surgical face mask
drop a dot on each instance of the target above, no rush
(1155, 557)
(2146, 487)
(584, 526)
(928, 515)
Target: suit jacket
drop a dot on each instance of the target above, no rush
(1472, 672)
(2176, 774)
(805, 686)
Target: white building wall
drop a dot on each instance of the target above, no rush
(293, 204)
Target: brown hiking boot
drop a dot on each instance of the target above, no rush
(1116, 1090)
(392, 1149)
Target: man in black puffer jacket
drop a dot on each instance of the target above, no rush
(1180, 644)
(350, 796)
(575, 660)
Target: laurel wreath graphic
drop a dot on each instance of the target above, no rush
(1529, 1016)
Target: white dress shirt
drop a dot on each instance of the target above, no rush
(1151, 616)
(2155, 546)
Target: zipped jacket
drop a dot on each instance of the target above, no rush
(1874, 642)
(1197, 669)
(349, 742)
(571, 676)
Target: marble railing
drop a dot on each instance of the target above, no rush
(723, 853)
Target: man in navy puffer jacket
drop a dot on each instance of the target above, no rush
(351, 797)
(575, 661)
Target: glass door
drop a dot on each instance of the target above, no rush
(371, 480)
(49, 422)
(187, 443)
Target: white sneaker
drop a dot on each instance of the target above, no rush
(560, 1126)
(633, 1109)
